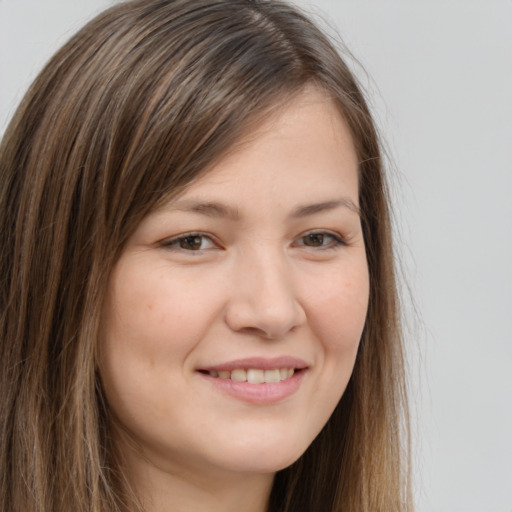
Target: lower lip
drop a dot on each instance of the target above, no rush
(266, 393)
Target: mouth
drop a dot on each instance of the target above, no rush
(253, 375)
(257, 380)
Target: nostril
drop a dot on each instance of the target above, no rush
(250, 318)
(254, 331)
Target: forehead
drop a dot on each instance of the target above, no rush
(304, 144)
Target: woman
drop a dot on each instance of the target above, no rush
(198, 302)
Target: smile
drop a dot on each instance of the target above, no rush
(254, 375)
(257, 380)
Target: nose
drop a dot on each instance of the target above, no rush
(263, 299)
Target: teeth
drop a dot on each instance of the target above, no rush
(239, 375)
(254, 375)
(272, 376)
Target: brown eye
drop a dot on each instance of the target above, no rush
(314, 240)
(191, 243)
(320, 240)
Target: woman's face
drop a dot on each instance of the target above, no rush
(235, 311)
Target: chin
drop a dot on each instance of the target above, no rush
(264, 458)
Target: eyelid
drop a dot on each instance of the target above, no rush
(171, 243)
(337, 239)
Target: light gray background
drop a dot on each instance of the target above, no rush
(440, 78)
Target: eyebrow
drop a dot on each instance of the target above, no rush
(312, 209)
(219, 210)
(208, 208)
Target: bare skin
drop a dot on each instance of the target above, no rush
(234, 315)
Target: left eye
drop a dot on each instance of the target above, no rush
(190, 242)
(319, 239)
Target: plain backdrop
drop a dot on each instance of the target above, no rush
(439, 75)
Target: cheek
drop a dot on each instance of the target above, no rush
(339, 310)
(337, 313)
(153, 315)
(150, 325)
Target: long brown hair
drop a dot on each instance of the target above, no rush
(132, 109)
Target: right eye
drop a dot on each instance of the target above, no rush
(191, 242)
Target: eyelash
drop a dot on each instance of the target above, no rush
(336, 239)
(174, 243)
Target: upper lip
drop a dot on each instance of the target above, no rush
(262, 363)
